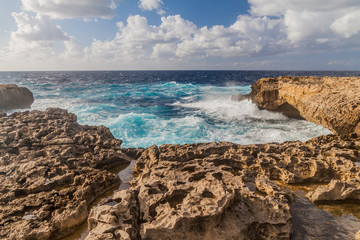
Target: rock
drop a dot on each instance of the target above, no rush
(357, 236)
(336, 191)
(134, 153)
(51, 170)
(240, 97)
(227, 191)
(333, 102)
(14, 97)
(312, 223)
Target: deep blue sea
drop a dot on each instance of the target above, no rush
(154, 107)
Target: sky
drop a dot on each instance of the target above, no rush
(38, 35)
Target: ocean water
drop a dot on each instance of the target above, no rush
(154, 107)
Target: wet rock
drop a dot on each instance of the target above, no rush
(336, 191)
(312, 223)
(333, 102)
(240, 97)
(134, 153)
(51, 169)
(14, 97)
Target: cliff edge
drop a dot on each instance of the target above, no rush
(14, 97)
(333, 102)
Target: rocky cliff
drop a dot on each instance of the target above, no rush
(14, 97)
(51, 170)
(333, 102)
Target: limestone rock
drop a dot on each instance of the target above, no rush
(336, 191)
(333, 102)
(14, 97)
(312, 223)
(226, 191)
(51, 169)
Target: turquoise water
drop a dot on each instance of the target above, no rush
(146, 108)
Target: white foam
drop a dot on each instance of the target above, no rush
(224, 109)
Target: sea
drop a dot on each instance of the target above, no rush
(143, 108)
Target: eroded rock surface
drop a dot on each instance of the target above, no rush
(225, 190)
(14, 97)
(51, 169)
(333, 102)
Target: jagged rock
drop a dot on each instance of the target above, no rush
(51, 169)
(333, 102)
(14, 97)
(225, 190)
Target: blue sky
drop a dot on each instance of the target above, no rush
(186, 34)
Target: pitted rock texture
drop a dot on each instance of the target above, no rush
(333, 102)
(224, 190)
(51, 169)
(14, 97)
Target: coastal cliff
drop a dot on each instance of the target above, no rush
(53, 170)
(333, 102)
(14, 97)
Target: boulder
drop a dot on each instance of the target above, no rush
(14, 97)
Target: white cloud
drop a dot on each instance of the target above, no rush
(177, 38)
(39, 44)
(36, 28)
(311, 22)
(349, 24)
(71, 8)
(137, 40)
(277, 27)
(35, 35)
(280, 7)
(248, 36)
(150, 4)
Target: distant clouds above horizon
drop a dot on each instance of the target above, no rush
(189, 34)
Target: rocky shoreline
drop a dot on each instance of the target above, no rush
(52, 169)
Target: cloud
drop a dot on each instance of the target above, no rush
(278, 28)
(37, 43)
(178, 39)
(36, 28)
(311, 22)
(347, 25)
(150, 4)
(62, 9)
(248, 36)
(35, 36)
(280, 7)
(137, 40)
